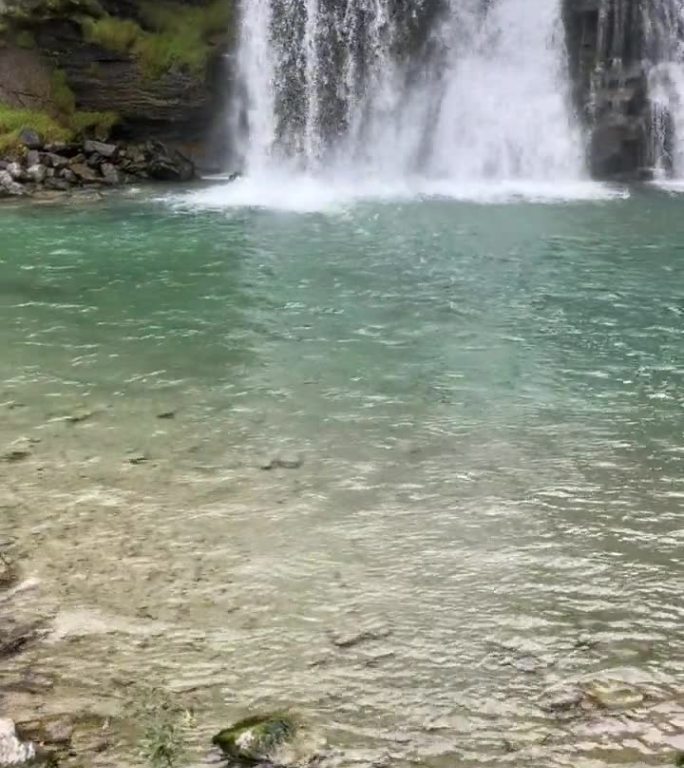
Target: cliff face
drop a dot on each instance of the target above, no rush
(154, 67)
(610, 62)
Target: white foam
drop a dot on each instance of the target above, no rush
(305, 193)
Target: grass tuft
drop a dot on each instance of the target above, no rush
(174, 35)
(13, 121)
(111, 33)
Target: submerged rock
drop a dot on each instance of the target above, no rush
(281, 462)
(12, 750)
(257, 739)
(9, 573)
(613, 694)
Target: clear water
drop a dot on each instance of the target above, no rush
(487, 400)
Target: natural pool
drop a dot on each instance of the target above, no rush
(472, 421)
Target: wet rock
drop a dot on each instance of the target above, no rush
(9, 574)
(32, 157)
(166, 164)
(294, 462)
(12, 750)
(9, 187)
(79, 417)
(30, 139)
(259, 739)
(367, 635)
(100, 147)
(16, 639)
(139, 459)
(53, 731)
(613, 694)
(14, 453)
(563, 702)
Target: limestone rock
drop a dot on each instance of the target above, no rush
(100, 148)
(83, 172)
(15, 171)
(37, 173)
(9, 187)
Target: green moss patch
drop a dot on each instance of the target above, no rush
(77, 124)
(114, 34)
(172, 35)
(13, 121)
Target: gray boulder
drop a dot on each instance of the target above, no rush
(37, 173)
(15, 171)
(83, 172)
(110, 173)
(100, 148)
(9, 187)
(54, 160)
(30, 139)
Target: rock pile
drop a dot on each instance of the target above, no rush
(63, 167)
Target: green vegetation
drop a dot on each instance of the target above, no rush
(165, 726)
(98, 124)
(114, 34)
(62, 96)
(25, 39)
(12, 121)
(175, 35)
(257, 739)
(65, 127)
(43, 10)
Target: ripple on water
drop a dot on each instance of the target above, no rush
(482, 543)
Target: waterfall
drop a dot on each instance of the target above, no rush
(448, 90)
(663, 23)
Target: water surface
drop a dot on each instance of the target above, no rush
(486, 401)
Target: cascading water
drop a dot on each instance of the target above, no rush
(390, 89)
(663, 23)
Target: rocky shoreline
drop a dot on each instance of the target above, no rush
(63, 167)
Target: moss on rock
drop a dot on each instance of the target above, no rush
(257, 739)
(74, 125)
